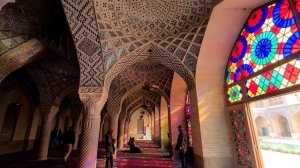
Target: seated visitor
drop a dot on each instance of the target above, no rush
(132, 147)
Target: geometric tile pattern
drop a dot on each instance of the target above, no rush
(49, 80)
(269, 35)
(186, 45)
(284, 76)
(152, 19)
(9, 40)
(82, 21)
(147, 71)
(19, 56)
(156, 54)
(125, 26)
(234, 94)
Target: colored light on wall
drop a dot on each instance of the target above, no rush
(188, 113)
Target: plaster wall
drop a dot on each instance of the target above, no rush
(225, 23)
(177, 109)
(164, 124)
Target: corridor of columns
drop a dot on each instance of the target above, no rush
(77, 75)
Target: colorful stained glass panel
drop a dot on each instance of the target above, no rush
(234, 94)
(281, 77)
(270, 34)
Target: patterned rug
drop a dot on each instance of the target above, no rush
(151, 157)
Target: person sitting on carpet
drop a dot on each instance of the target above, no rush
(132, 147)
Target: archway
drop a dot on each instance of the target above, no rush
(139, 122)
(262, 126)
(281, 126)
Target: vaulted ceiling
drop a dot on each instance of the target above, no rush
(125, 43)
(176, 26)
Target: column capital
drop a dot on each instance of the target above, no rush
(93, 98)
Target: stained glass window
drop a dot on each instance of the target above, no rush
(188, 118)
(281, 77)
(234, 94)
(269, 36)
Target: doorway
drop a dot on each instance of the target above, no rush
(278, 138)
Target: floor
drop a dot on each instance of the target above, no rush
(151, 157)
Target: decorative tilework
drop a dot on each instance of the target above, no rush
(234, 94)
(82, 21)
(284, 76)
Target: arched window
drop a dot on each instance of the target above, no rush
(264, 62)
(265, 57)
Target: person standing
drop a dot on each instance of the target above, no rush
(110, 148)
(69, 139)
(53, 138)
(182, 145)
(60, 139)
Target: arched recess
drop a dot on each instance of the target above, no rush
(280, 126)
(296, 124)
(137, 125)
(16, 115)
(250, 62)
(135, 105)
(157, 54)
(18, 90)
(147, 76)
(262, 126)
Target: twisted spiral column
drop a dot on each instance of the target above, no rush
(89, 147)
(93, 99)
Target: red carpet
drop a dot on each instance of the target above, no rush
(151, 157)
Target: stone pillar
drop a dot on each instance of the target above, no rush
(157, 125)
(152, 125)
(48, 114)
(93, 99)
(125, 139)
(114, 117)
(121, 133)
(127, 130)
(177, 109)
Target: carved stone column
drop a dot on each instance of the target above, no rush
(93, 99)
(47, 113)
